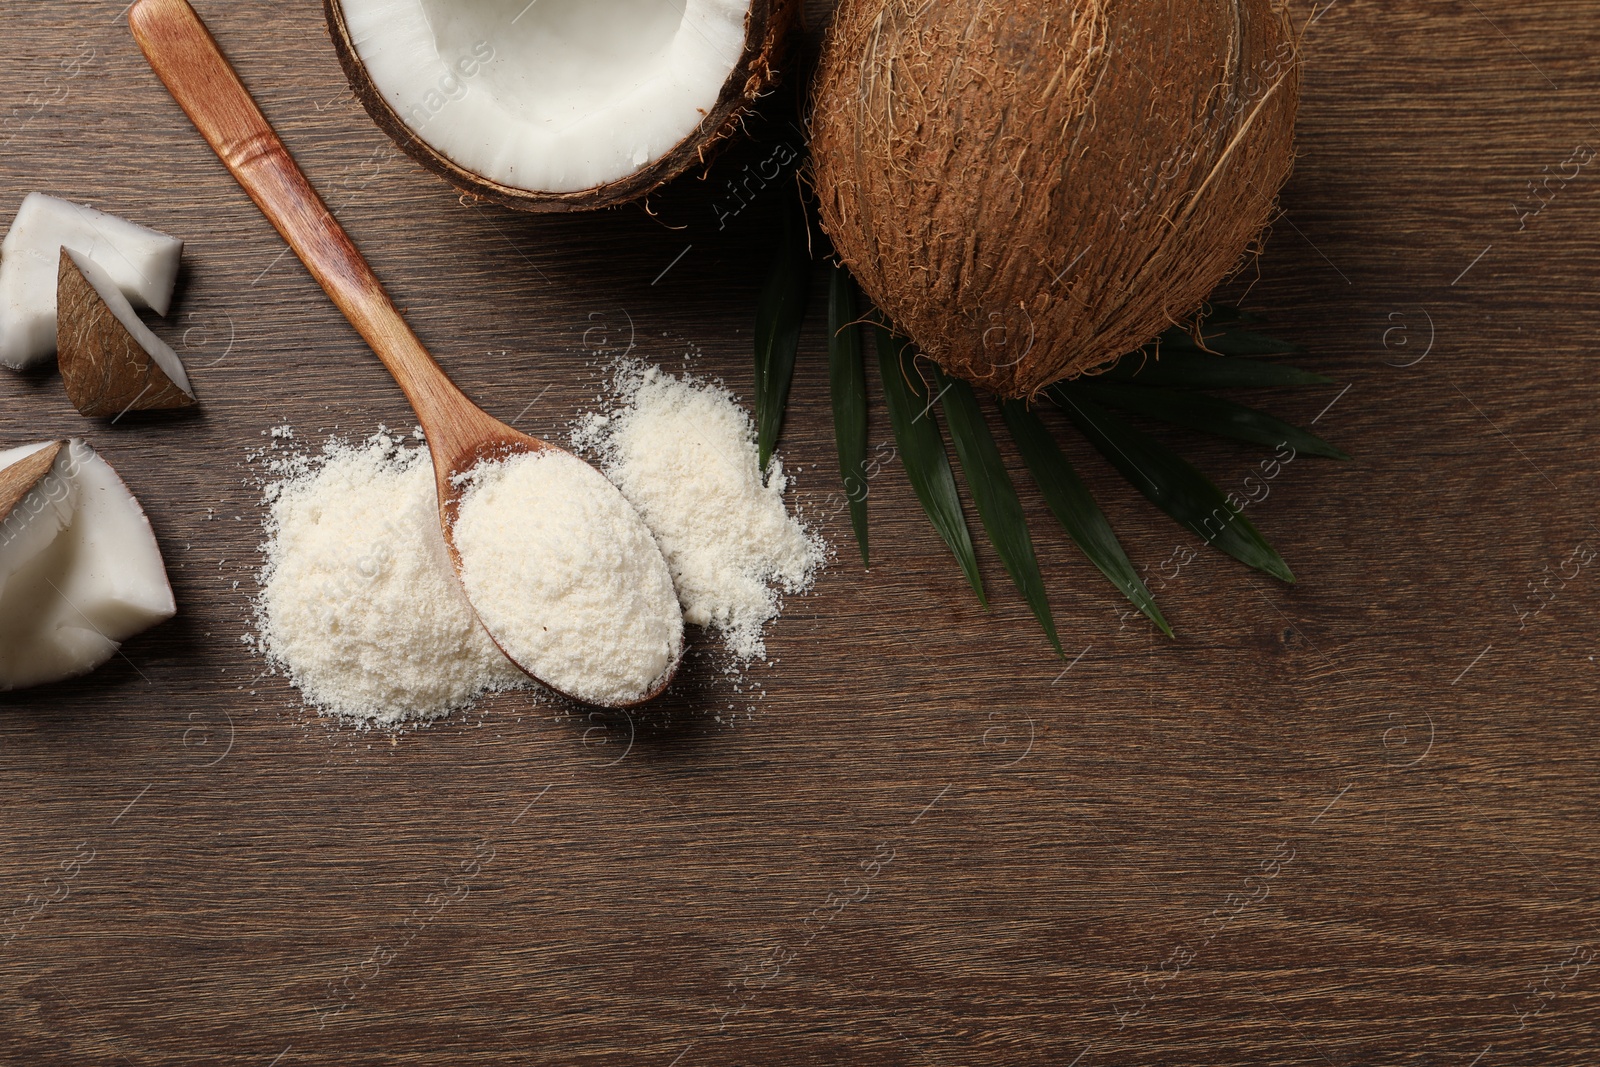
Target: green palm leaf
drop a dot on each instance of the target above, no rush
(847, 381)
(779, 312)
(922, 452)
(1161, 381)
(996, 496)
(1172, 485)
(1074, 506)
(1208, 414)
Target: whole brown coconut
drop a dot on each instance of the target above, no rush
(1031, 190)
(743, 71)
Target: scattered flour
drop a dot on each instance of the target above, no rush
(360, 609)
(567, 577)
(358, 605)
(684, 454)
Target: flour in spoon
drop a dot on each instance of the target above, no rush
(567, 577)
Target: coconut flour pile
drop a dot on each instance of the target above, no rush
(567, 577)
(358, 604)
(360, 609)
(684, 454)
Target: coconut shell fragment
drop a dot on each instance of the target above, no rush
(110, 361)
(24, 476)
(1030, 190)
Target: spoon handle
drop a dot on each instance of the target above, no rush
(187, 58)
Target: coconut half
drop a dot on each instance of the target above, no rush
(142, 263)
(80, 571)
(553, 105)
(111, 363)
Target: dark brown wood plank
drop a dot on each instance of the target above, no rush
(230, 870)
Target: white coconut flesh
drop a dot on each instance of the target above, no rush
(554, 96)
(80, 571)
(118, 305)
(142, 263)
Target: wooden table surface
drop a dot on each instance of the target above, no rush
(1349, 822)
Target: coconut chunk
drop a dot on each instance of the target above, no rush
(80, 571)
(141, 263)
(110, 361)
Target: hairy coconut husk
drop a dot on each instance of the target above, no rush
(106, 369)
(766, 32)
(24, 476)
(1030, 190)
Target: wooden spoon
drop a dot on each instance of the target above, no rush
(460, 434)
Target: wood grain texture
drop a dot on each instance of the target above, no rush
(1350, 822)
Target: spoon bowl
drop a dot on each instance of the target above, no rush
(460, 434)
(494, 441)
